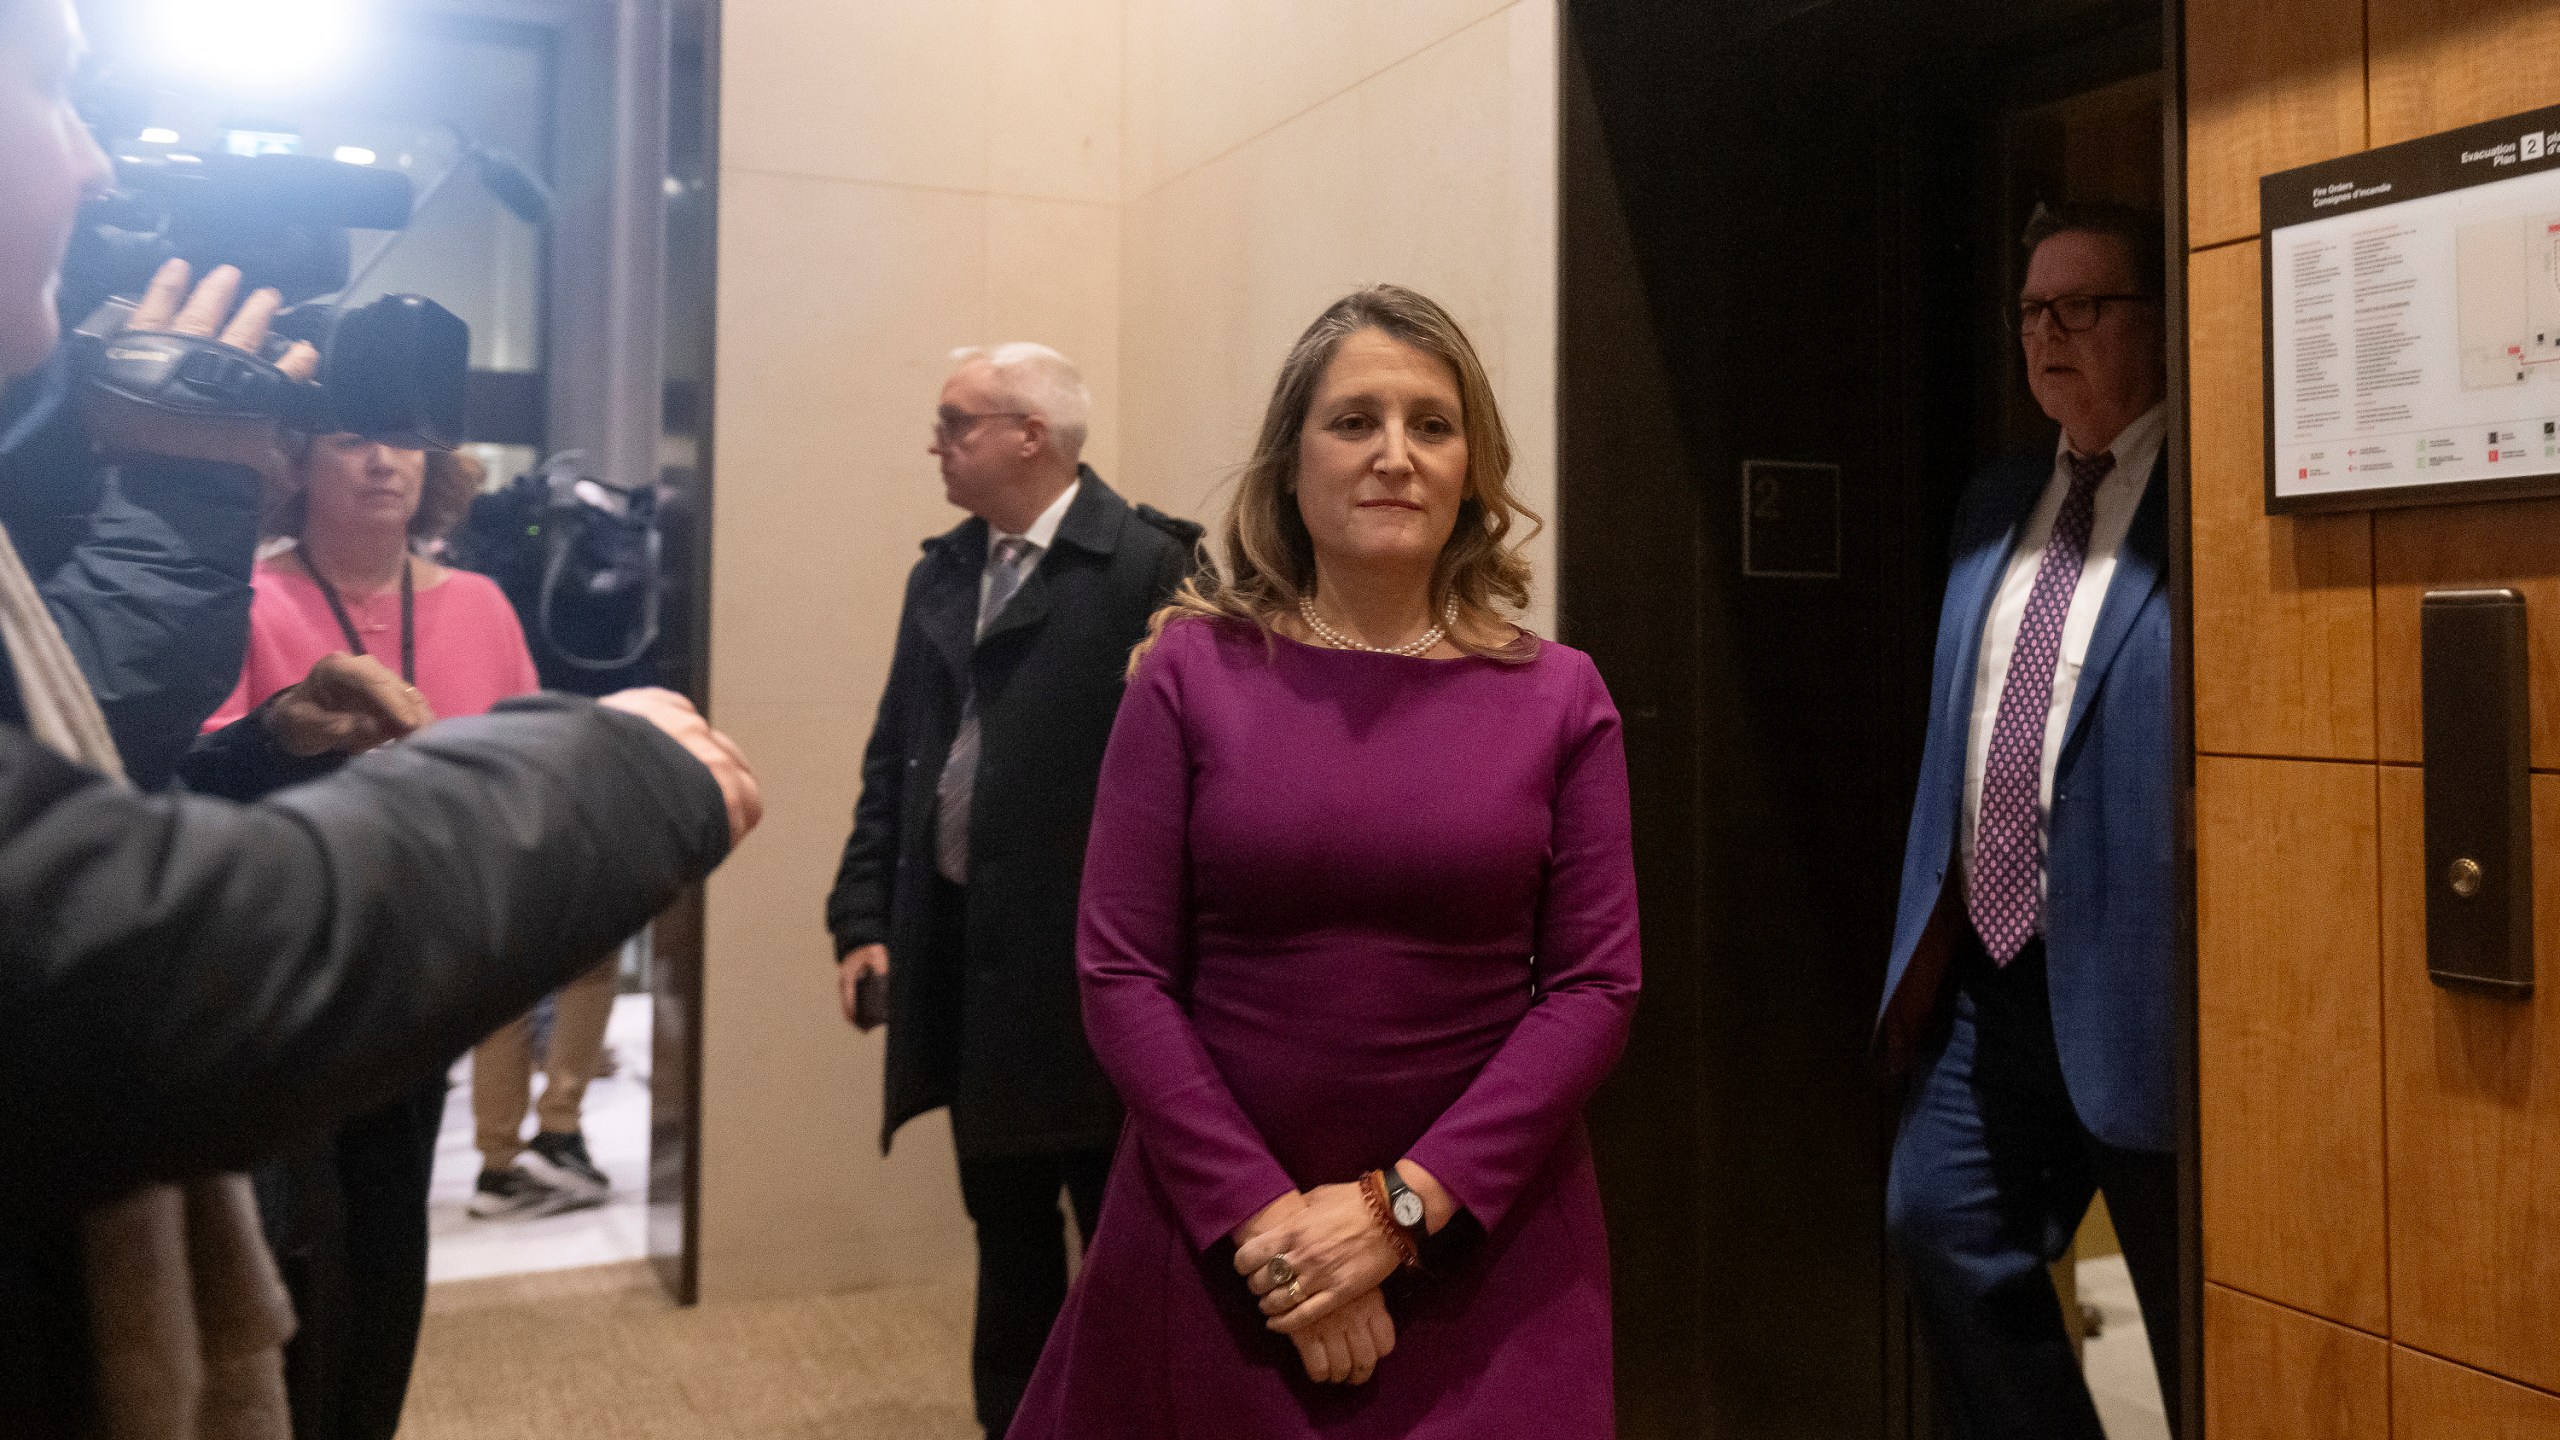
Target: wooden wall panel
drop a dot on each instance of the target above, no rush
(2514, 543)
(2434, 1400)
(2271, 84)
(2289, 1022)
(2275, 1374)
(2441, 64)
(2296, 1010)
(2283, 605)
(2474, 1104)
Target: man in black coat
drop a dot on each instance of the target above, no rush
(959, 882)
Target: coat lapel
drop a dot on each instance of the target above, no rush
(2140, 567)
(1091, 524)
(1975, 580)
(1029, 606)
(948, 613)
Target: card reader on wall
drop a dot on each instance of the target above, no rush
(2477, 713)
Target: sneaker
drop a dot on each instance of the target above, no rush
(560, 1162)
(511, 1192)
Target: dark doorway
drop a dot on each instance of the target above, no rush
(1789, 231)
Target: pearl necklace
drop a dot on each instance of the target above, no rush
(1420, 644)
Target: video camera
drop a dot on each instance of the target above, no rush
(581, 558)
(392, 371)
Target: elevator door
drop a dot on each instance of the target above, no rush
(1788, 238)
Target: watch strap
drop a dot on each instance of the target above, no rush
(1420, 1230)
(1374, 1190)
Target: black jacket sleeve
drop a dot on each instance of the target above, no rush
(1178, 563)
(143, 561)
(145, 565)
(858, 906)
(242, 761)
(1186, 557)
(154, 603)
(186, 983)
(153, 600)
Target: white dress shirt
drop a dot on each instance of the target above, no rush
(2119, 495)
(1042, 532)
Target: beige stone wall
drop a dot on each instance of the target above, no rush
(897, 179)
(1282, 152)
(1167, 190)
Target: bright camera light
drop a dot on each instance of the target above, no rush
(254, 42)
(159, 135)
(355, 155)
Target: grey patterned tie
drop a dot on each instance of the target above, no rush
(1006, 570)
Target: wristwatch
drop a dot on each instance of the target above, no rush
(1405, 1206)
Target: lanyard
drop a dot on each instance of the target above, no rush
(347, 626)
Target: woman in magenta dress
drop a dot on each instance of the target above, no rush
(1358, 940)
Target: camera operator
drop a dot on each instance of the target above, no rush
(188, 985)
(138, 529)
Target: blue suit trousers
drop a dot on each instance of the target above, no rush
(1992, 1172)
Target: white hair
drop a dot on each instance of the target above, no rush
(1039, 381)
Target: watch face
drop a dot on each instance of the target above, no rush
(1408, 1209)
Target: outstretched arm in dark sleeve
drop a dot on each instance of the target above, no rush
(186, 983)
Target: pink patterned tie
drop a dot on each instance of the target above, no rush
(2005, 891)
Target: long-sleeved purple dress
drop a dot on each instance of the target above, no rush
(1341, 908)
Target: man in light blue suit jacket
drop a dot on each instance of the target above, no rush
(2029, 991)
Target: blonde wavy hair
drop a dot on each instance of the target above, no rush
(1268, 560)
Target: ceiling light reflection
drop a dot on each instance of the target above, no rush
(254, 42)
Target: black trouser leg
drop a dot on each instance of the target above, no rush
(304, 1216)
(2142, 1198)
(1022, 1265)
(386, 1160)
(1085, 1172)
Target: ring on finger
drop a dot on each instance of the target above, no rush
(1297, 1292)
(1280, 1272)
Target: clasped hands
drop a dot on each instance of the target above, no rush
(1324, 1295)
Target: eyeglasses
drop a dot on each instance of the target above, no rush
(951, 425)
(2071, 314)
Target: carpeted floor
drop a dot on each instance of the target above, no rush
(600, 1354)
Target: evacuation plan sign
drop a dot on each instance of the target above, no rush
(2413, 321)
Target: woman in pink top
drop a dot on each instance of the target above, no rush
(358, 511)
(355, 508)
